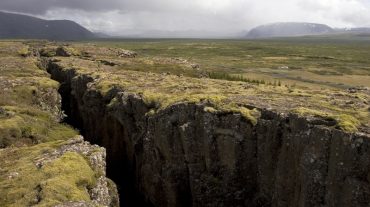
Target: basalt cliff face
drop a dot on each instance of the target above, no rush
(187, 155)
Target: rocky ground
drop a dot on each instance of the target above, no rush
(202, 142)
(42, 161)
(174, 140)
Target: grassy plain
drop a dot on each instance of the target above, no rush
(308, 77)
(309, 62)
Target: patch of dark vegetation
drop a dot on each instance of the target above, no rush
(106, 62)
(326, 72)
(229, 77)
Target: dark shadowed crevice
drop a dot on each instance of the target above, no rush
(118, 168)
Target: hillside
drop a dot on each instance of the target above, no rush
(288, 29)
(16, 26)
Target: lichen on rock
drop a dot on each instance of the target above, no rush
(43, 162)
(55, 173)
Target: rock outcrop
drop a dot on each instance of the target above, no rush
(104, 191)
(43, 162)
(61, 173)
(185, 155)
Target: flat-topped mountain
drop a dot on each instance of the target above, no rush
(27, 27)
(288, 29)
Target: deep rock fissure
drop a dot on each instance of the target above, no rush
(118, 169)
(185, 156)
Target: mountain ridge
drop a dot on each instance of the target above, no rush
(296, 29)
(289, 29)
(21, 26)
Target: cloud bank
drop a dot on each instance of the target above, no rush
(207, 17)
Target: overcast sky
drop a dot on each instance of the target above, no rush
(218, 17)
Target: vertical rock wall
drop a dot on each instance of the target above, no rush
(184, 156)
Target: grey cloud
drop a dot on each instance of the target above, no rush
(41, 6)
(218, 17)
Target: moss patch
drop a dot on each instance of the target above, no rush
(24, 51)
(31, 126)
(22, 183)
(69, 178)
(28, 100)
(344, 121)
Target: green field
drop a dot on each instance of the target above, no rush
(308, 77)
(311, 62)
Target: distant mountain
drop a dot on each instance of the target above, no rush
(289, 29)
(353, 30)
(27, 27)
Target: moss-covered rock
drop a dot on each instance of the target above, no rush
(55, 173)
(38, 166)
